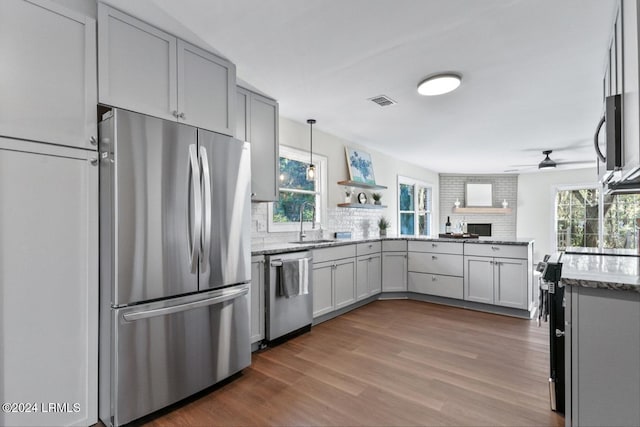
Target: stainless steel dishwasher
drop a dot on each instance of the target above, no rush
(287, 315)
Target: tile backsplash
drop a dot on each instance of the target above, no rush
(362, 223)
(505, 187)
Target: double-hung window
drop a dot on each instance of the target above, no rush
(414, 207)
(295, 189)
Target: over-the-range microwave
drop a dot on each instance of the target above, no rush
(610, 163)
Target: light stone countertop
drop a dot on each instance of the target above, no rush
(284, 247)
(601, 271)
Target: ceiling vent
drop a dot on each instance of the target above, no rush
(383, 100)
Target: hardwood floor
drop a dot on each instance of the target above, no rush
(395, 362)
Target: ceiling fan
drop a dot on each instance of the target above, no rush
(548, 163)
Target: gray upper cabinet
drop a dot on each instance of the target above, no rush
(630, 87)
(137, 65)
(206, 89)
(48, 70)
(242, 114)
(146, 70)
(257, 122)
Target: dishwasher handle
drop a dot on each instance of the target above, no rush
(139, 315)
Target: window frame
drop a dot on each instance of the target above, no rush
(404, 180)
(573, 187)
(320, 162)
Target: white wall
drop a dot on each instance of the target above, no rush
(385, 168)
(536, 192)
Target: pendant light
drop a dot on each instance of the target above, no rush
(311, 170)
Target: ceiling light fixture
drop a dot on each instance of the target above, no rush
(311, 170)
(439, 84)
(547, 163)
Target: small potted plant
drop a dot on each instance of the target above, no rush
(347, 195)
(383, 224)
(376, 198)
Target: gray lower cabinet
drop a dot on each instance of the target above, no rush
(498, 281)
(144, 69)
(48, 281)
(257, 298)
(394, 271)
(368, 276)
(394, 266)
(257, 122)
(602, 351)
(334, 278)
(436, 268)
(48, 84)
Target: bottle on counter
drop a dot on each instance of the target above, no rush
(464, 226)
(447, 226)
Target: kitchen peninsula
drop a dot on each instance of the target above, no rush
(602, 338)
(486, 274)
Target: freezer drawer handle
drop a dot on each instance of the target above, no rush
(131, 317)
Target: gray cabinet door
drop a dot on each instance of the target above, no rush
(478, 279)
(243, 114)
(375, 275)
(206, 90)
(630, 87)
(362, 278)
(264, 148)
(257, 299)
(510, 282)
(394, 272)
(48, 281)
(322, 288)
(48, 70)
(605, 350)
(344, 281)
(137, 65)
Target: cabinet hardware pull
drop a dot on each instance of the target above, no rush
(93, 140)
(495, 248)
(175, 113)
(434, 257)
(94, 161)
(182, 116)
(434, 278)
(433, 245)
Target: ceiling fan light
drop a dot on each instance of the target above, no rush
(439, 84)
(547, 163)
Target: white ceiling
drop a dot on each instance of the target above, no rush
(532, 71)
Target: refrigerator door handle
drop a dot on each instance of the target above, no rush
(226, 296)
(193, 235)
(206, 229)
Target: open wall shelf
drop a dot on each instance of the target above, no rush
(494, 211)
(349, 183)
(361, 206)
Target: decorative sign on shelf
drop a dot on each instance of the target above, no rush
(360, 166)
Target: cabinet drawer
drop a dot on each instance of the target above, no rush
(394, 245)
(504, 251)
(435, 284)
(337, 252)
(423, 262)
(436, 246)
(369, 248)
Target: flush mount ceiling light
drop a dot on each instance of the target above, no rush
(438, 84)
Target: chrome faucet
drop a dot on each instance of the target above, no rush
(313, 222)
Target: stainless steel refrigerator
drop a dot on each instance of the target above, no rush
(174, 262)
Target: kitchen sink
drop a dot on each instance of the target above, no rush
(314, 241)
